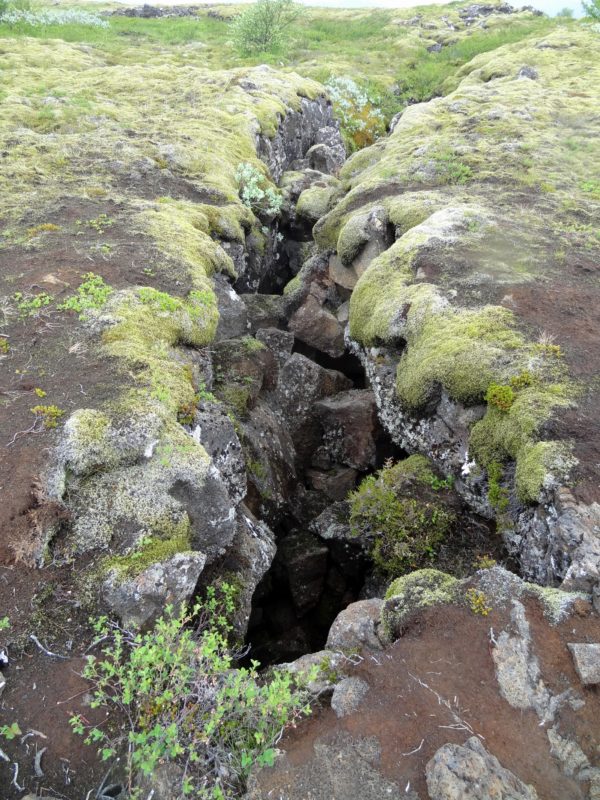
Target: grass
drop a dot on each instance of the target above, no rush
(388, 58)
(428, 74)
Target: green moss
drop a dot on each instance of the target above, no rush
(497, 494)
(461, 350)
(411, 209)
(352, 236)
(293, 285)
(412, 593)
(538, 463)
(182, 235)
(252, 345)
(383, 292)
(555, 603)
(147, 326)
(150, 550)
(135, 495)
(501, 435)
(235, 396)
(315, 202)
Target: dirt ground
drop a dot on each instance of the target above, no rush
(441, 670)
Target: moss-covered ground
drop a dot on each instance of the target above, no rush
(497, 246)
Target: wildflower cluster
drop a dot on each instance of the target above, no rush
(362, 122)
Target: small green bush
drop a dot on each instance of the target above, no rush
(262, 26)
(405, 530)
(592, 9)
(181, 699)
(500, 396)
(361, 120)
(91, 293)
(255, 191)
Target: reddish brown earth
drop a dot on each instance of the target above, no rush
(447, 653)
(48, 351)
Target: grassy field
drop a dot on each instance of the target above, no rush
(376, 48)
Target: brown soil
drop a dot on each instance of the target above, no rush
(441, 669)
(49, 350)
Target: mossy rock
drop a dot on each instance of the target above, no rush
(412, 593)
(315, 202)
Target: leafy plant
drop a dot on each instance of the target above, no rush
(183, 700)
(45, 227)
(92, 293)
(29, 305)
(478, 602)
(10, 731)
(452, 170)
(160, 300)
(592, 8)
(255, 191)
(262, 26)
(4, 346)
(484, 561)
(49, 414)
(4, 623)
(361, 120)
(43, 17)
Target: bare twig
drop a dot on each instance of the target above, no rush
(3, 755)
(459, 724)
(15, 776)
(36, 641)
(416, 750)
(37, 763)
(73, 696)
(34, 429)
(33, 733)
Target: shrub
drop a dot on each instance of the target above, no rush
(361, 121)
(49, 414)
(405, 530)
(255, 191)
(262, 26)
(182, 700)
(500, 396)
(38, 18)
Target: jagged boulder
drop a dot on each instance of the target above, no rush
(469, 772)
(139, 598)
